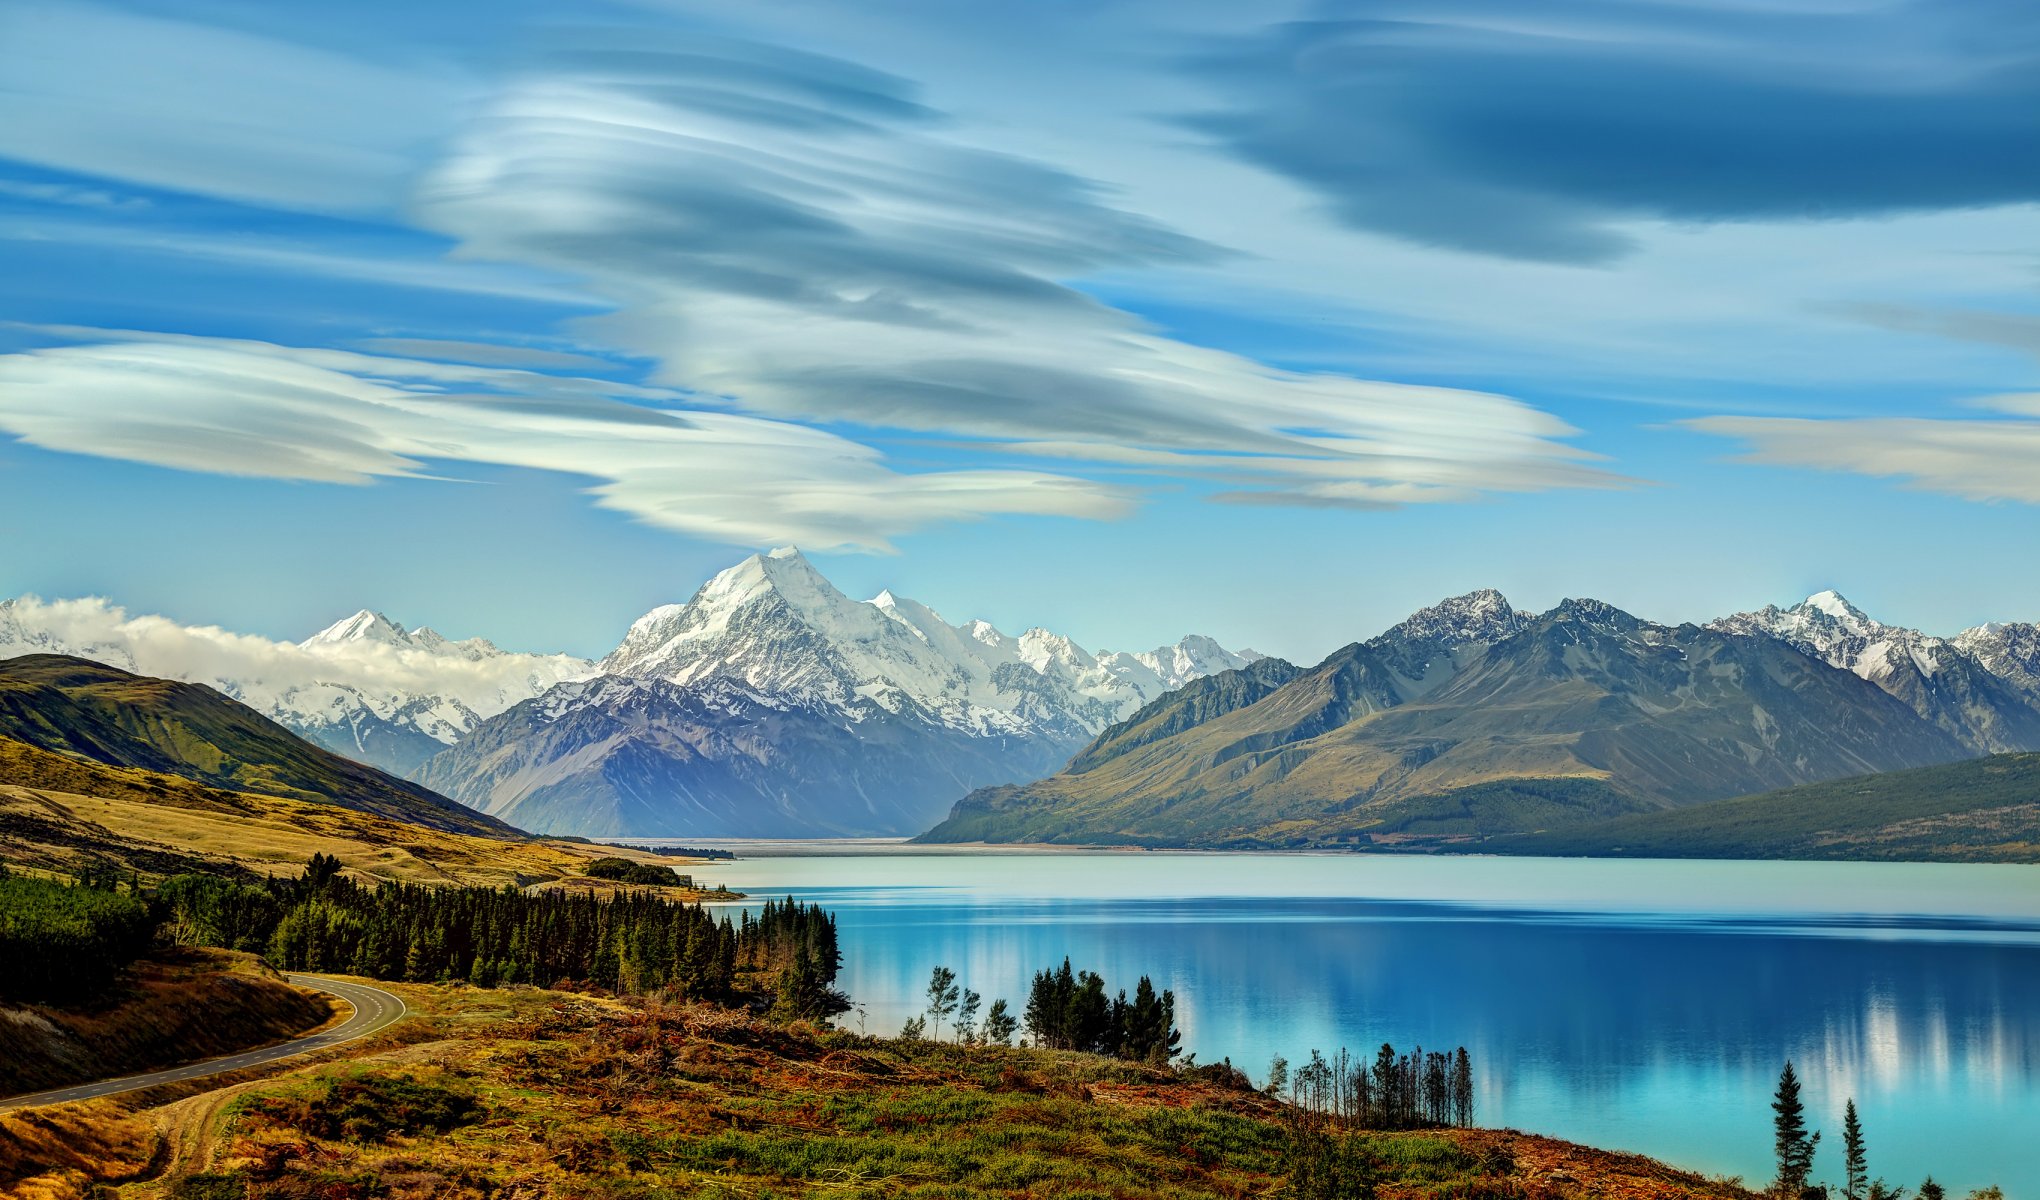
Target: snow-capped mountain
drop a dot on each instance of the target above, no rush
(365, 686)
(774, 704)
(1435, 637)
(1978, 686)
(774, 624)
(2009, 651)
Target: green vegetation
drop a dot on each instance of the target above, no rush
(624, 870)
(100, 714)
(66, 943)
(681, 851)
(633, 942)
(1070, 1011)
(1979, 810)
(1795, 1147)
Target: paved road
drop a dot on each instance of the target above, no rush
(374, 1009)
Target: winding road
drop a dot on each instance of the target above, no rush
(374, 1010)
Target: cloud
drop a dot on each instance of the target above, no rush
(486, 354)
(1535, 132)
(263, 673)
(250, 408)
(2011, 330)
(810, 241)
(1975, 459)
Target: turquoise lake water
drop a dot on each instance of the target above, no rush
(1635, 1005)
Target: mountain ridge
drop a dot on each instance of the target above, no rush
(1649, 715)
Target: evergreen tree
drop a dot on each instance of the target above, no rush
(1855, 1164)
(966, 1017)
(1278, 1075)
(915, 1029)
(1795, 1146)
(999, 1025)
(942, 998)
(1929, 1190)
(1462, 1088)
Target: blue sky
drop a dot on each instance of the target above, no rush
(1128, 319)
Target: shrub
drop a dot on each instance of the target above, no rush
(374, 1108)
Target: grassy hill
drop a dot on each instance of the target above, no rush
(94, 712)
(1981, 810)
(59, 814)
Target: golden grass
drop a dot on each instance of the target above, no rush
(57, 812)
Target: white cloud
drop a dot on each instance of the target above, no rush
(251, 408)
(798, 235)
(276, 677)
(1976, 459)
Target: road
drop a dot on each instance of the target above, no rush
(374, 1010)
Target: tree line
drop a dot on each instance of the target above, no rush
(68, 942)
(1066, 1010)
(1795, 1146)
(63, 943)
(1416, 1090)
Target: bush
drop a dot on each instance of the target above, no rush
(623, 870)
(374, 1108)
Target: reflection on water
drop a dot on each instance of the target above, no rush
(1643, 1006)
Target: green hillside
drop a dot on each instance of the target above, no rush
(1981, 810)
(96, 712)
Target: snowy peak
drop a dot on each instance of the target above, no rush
(1478, 616)
(775, 625)
(364, 626)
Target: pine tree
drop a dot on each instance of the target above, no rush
(1462, 1088)
(942, 998)
(1855, 1165)
(999, 1025)
(1929, 1190)
(966, 1017)
(1794, 1145)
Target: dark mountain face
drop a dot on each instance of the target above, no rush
(1624, 712)
(650, 758)
(73, 706)
(1193, 704)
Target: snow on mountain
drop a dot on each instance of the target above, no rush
(364, 686)
(774, 624)
(1425, 645)
(2010, 651)
(1944, 680)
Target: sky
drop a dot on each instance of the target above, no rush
(1128, 319)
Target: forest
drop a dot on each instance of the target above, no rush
(63, 943)
(75, 938)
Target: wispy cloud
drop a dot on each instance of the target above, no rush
(250, 408)
(810, 240)
(1535, 132)
(1985, 459)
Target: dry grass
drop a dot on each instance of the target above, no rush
(533, 1094)
(57, 813)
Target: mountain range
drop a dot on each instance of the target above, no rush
(364, 687)
(1473, 719)
(770, 704)
(773, 705)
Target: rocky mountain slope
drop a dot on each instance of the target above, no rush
(1473, 712)
(364, 687)
(1980, 687)
(90, 711)
(772, 705)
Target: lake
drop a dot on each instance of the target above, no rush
(1635, 1005)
